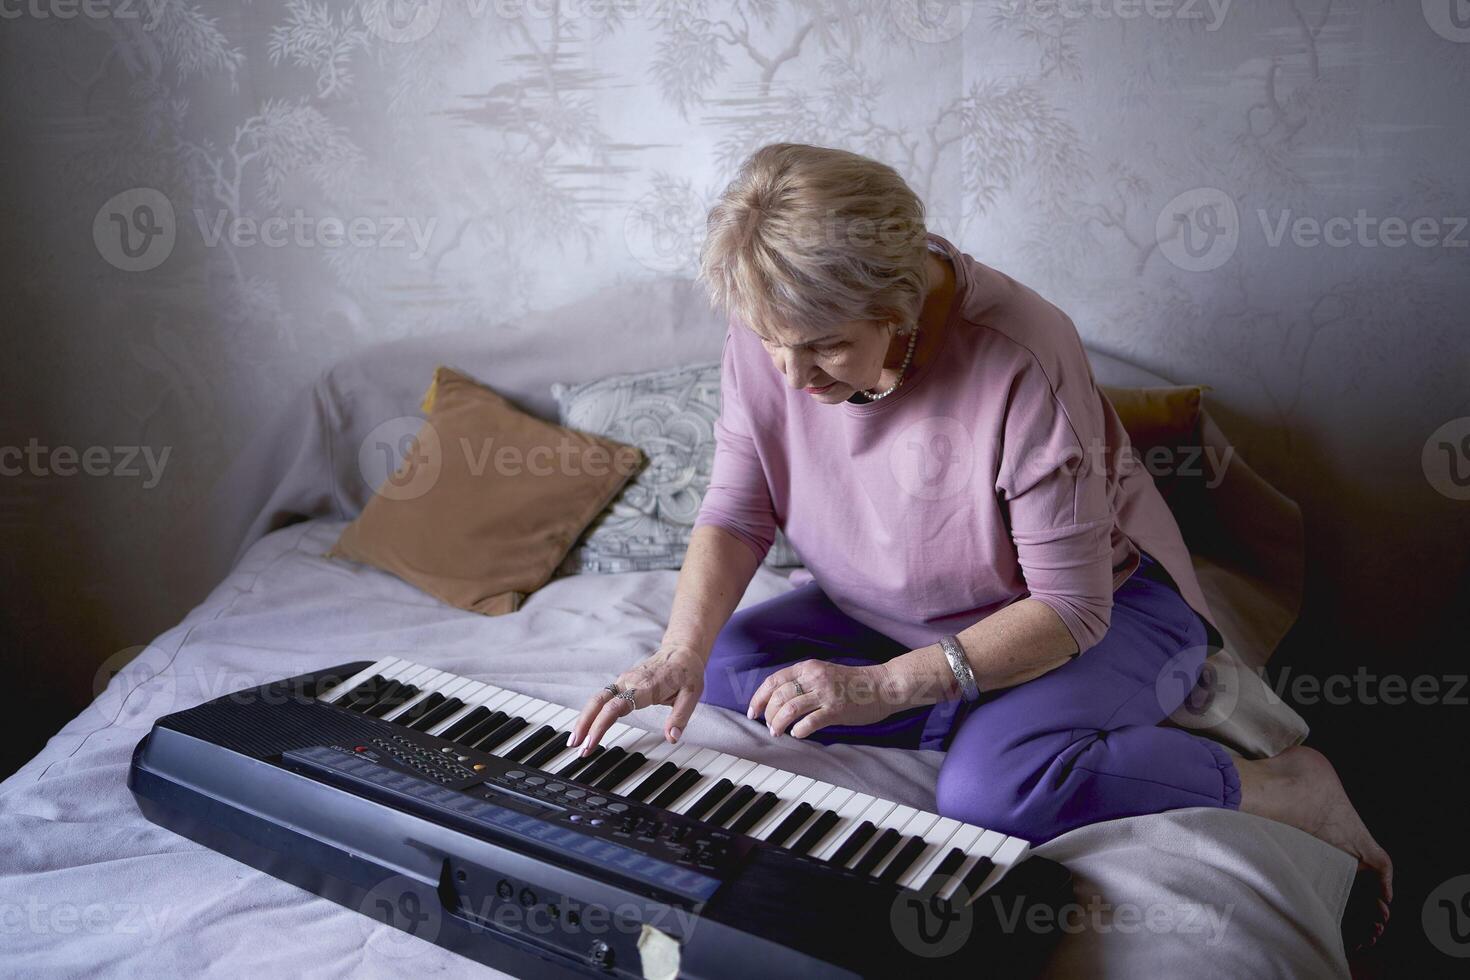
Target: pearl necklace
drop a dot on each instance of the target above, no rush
(901, 371)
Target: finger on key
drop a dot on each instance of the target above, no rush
(589, 711)
(614, 709)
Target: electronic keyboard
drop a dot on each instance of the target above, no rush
(454, 810)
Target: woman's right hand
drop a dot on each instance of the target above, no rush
(673, 674)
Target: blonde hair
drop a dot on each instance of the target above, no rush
(806, 237)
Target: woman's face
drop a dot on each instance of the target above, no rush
(837, 360)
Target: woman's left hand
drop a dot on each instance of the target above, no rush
(813, 694)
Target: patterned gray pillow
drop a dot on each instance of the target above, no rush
(670, 415)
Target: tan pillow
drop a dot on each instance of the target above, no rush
(1163, 416)
(487, 501)
(1167, 416)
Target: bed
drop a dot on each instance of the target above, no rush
(90, 888)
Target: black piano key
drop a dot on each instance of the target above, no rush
(367, 692)
(482, 728)
(630, 764)
(903, 859)
(715, 794)
(755, 812)
(423, 707)
(942, 872)
(675, 789)
(429, 719)
(386, 691)
(727, 810)
(571, 768)
(973, 879)
(454, 731)
(652, 782)
(394, 701)
(529, 744)
(554, 747)
(498, 737)
(881, 847)
(604, 762)
(854, 843)
(787, 827)
(820, 827)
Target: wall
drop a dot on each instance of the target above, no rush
(1134, 165)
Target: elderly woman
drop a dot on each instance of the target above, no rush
(989, 575)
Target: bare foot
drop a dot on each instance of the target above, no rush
(1299, 787)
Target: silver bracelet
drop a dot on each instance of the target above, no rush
(955, 654)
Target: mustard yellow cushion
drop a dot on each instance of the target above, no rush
(487, 501)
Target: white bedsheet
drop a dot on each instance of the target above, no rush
(90, 888)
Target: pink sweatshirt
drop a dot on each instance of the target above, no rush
(968, 488)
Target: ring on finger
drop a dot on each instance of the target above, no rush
(799, 689)
(630, 696)
(612, 689)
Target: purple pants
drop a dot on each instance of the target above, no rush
(1075, 746)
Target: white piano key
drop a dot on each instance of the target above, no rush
(849, 817)
(376, 667)
(918, 823)
(896, 816)
(679, 756)
(487, 697)
(815, 796)
(985, 845)
(964, 839)
(936, 845)
(755, 779)
(450, 689)
(614, 734)
(791, 795)
(1005, 857)
(535, 718)
(709, 774)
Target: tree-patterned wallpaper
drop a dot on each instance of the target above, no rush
(207, 203)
